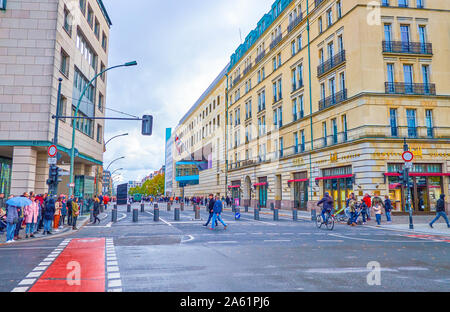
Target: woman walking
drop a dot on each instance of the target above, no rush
(57, 216)
(96, 211)
(12, 218)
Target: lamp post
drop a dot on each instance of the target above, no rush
(112, 173)
(114, 162)
(72, 152)
(120, 135)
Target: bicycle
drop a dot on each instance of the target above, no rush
(331, 219)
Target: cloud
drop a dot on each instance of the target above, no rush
(180, 47)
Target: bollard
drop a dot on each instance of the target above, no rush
(176, 214)
(237, 212)
(168, 206)
(115, 206)
(142, 207)
(272, 206)
(182, 207)
(197, 213)
(156, 213)
(135, 215)
(313, 215)
(275, 214)
(128, 208)
(91, 217)
(233, 208)
(256, 211)
(294, 214)
(246, 208)
(114, 215)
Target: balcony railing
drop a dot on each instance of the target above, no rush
(333, 100)
(247, 69)
(236, 80)
(295, 22)
(333, 62)
(317, 2)
(410, 88)
(407, 47)
(260, 57)
(276, 41)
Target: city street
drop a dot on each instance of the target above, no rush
(249, 256)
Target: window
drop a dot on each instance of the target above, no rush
(329, 17)
(335, 131)
(295, 115)
(321, 56)
(62, 106)
(102, 68)
(274, 63)
(64, 68)
(300, 75)
(423, 38)
(325, 135)
(420, 4)
(85, 48)
(294, 79)
(332, 85)
(426, 78)
(340, 41)
(99, 133)
(320, 25)
(296, 147)
(67, 21)
(100, 101)
(405, 34)
(299, 43)
(403, 3)
(339, 9)
(330, 50)
(302, 138)
(277, 92)
(90, 17)
(385, 3)
(281, 146)
(293, 48)
(429, 123)
(278, 118)
(83, 6)
(104, 41)
(412, 123)
(322, 91)
(344, 127)
(97, 29)
(301, 106)
(408, 76)
(279, 59)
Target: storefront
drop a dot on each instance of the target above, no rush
(5, 176)
(236, 192)
(338, 182)
(300, 190)
(427, 185)
(262, 187)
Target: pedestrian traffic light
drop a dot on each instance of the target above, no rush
(147, 125)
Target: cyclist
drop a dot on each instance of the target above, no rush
(327, 202)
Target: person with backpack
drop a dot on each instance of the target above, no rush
(388, 208)
(440, 211)
(327, 202)
(49, 215)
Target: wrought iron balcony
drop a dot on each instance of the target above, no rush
(410, 88)
(295, 22)
(407, 47)
(276, 41)
(333, 100)
(260, 57)
(247, 69)
(236, 80)
(333, 62)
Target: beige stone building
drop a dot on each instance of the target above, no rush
(322, 94)
(41, 42)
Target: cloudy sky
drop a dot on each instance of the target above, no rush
(180, 46)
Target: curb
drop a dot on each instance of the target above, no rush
(67, 232)
(408, 231)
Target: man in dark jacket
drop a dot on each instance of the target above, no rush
(69, 210)
(49, 214)
(388, 208)
(217, 210)
(327, 202)
(440, 211)
(96, 210)
(211, 209)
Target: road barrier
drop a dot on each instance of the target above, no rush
(197, 212)
(176, 216)
(294, 214)
(142, 207)
(114, 214)
(156, 213)
(128, 207)
(237, 213)
(276, 214)
(135, 215)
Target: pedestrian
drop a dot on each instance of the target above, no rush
(2, 201)
(440, 211)
(377, 207)
(363, 210)
(368, 201)
(75, 213)
(31, 217)
(96, 210)
(210, 209)
(388, 208)
(217, 210)
(2, 220)
(69, 210)
(352, 208)
(62, 220)
(49, 215)
(12, 219)
(57, 215)
(20, 221)
(347, 208)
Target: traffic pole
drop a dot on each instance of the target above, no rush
(128, 208)
(294, 214)
(176, 214)
(275, 214)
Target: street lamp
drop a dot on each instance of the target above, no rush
(112, 173)
(72, 152)
(120, 135)
(114, 162)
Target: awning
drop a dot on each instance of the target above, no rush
(336, 177)
(260, 184)
(299, 180)
(234, 186)
(418, 174)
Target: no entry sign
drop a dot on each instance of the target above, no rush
(408, 156)
(52, 151)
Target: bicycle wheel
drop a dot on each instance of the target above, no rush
(319, 221)
(330, 223)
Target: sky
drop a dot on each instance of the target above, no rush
(180, 47)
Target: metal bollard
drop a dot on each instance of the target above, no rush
(256, 211)
(182, 207)
(135, 215)
(197, 212)
(313, 215)
(275, 214)
(294, 214)
(246, 208)
(156, 213)
(168, 206)
(272, 206)
(142, 207)
(233, 208)
(176, 214)
(128, 208)
(114, 215)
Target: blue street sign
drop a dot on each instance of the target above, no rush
(237, 216)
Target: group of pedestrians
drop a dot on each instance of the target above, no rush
(215, 208)
(364, 207)
(44, 215)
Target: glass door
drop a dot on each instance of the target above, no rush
(263, 196)
(335, 193)
(422, 194)
(434, 191)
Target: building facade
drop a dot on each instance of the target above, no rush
(326, 108)
(199, 158)
(41, 42)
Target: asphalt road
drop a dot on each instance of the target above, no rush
(249, 256)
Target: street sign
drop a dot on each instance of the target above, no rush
(72, 185)
(408, 156)
(237, 216)
(52, 161)
(408, 165)
(52, 151)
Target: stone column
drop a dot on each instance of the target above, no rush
(23, 170)
(42, 168)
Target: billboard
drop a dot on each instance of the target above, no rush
(122, 194)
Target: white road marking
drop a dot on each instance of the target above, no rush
(113, 275)
(277, 240)
(114, 283)
(188, 240)
(223, 242)
(383, 240)
(27, 281)
(112, 268)
(330, 241)
(20, 289)
(34, 274)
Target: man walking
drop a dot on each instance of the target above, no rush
(217, 210)
(440, 211)
(388, 208)
(211, 209)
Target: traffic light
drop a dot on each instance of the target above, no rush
(147, 125)
(404, 178)
(54, 174)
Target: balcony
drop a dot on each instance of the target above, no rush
(276, 41)
(407, 47)
(410, 88)
(247, 69)
(318, 2)
(332, 63)
(236, 80)
(333, 100)
(260, 57)
(295, 22)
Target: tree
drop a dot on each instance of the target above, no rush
(154, 187)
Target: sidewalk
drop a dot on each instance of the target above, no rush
(67, 230)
